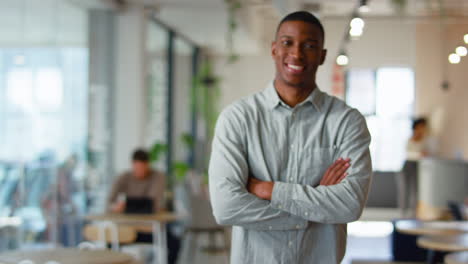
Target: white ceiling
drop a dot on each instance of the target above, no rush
(45, 22)
(205, 21)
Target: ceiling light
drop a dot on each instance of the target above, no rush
(19, 60)
(357, 22)
(364, 9)
(461, 51)
(355, 32)
(454, 58)
(342, 60)
(466, 38)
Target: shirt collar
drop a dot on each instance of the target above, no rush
(273, 99)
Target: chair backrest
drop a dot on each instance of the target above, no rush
(456, 210)
(196, 205)
(441, 181)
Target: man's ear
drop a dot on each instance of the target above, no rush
(324, 55)
(273, 48)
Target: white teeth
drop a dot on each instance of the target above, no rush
(295, 67)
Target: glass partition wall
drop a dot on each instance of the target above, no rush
(172, 64)
(43, 122)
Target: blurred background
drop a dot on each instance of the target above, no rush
(83, 83)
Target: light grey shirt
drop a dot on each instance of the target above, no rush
(304, 222)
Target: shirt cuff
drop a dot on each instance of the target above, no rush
(281, 196)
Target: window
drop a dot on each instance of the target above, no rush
(385, 97)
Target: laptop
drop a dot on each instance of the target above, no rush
(139, 205)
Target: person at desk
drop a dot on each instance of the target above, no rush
(143, 182)
(417, 147)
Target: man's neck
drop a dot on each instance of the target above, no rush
(291, 95)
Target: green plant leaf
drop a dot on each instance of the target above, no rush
(156, 150)
(187, 139)
(180, 170)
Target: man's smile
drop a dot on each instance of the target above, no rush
(294, 68)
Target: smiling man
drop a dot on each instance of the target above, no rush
(290, 165)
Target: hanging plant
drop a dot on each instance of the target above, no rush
(206, 95)
(233, 7)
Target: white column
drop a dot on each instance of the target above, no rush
(130, 92)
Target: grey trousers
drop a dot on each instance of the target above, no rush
(408, 188)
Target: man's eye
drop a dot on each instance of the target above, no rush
(286, 42)
(309, 46)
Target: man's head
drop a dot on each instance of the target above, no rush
(140, 163)
(419, 127)
(298, 50)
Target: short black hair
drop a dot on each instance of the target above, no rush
(140, 155)
(419, 121)
(303, 16)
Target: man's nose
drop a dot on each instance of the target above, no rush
(296, 52)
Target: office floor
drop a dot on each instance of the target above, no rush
(357, 252)
(373, 232)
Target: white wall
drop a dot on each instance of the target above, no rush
(129, 90)
(384, 43)
(248, 75)
(445, 109)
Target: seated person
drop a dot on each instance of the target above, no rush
(142, 182)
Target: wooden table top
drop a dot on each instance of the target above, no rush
(163, 217)
(66, 256)
(417, 227)
(444, 242)
(456, 258)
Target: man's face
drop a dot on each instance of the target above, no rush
(297, 52)
(420, 130)
(140, 169)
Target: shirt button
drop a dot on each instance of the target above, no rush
(279, 206)
(290, 178)
(292, 146)
(290, 243)
(270, 227)
(306, 213)
(298, 226)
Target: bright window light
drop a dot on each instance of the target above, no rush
(370, 229)
(19, 88)
(49, 89)
(357, 22)
(466, 38)
(342, 60)
(454, 58)
(461, 51)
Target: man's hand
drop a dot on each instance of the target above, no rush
(336, 172)
(334, 175)
(118, 207)
(261, 189)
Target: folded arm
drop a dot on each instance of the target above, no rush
(229, 173)
(341, 196)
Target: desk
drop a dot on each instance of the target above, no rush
(445, 243)
(156, 221)
(417, 227)
(457, 258)
(67, 256)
